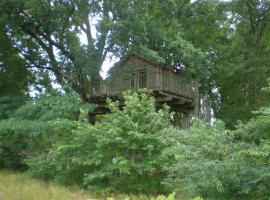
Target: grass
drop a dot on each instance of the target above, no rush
(18, 186)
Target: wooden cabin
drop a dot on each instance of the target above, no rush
(134, 72)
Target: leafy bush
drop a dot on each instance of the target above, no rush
(13, 146)
(35, 126)
(159, 197)
(162, 197)
(122, 152)
(51, 106)
(257, 129)
(219, 164)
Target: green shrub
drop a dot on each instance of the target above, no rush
(35, 126)
(257, 129)
(51, 106)
(122, 152)
(219, 164)
(13, 145)
(162, 197)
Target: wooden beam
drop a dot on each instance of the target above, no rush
(178, 101)
(165, 93)
(164, 99)
(180, 109)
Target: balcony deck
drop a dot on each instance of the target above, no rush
(170, 89)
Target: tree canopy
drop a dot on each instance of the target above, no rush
(223, 44)
(47, 35)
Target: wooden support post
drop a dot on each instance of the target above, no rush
(91, 118)
(186, 120)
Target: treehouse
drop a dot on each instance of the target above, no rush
(134, 72)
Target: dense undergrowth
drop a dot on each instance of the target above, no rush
(123, 152)
(135, 149)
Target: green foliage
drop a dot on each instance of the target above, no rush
(240, 57)
(257, 129)
(159, 197)
(47, 35)
(129, 145)
(34, 127)
(12, 146)
(14, 76)
(122, 152)
(162, 197)
(224, 44)
(156, 32)
(51, 106)
(9, 104)
(219, 164)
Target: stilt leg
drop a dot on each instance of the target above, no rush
(186, 121)
(92, 118)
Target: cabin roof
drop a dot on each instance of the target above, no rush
(133, 54)
(140, 56)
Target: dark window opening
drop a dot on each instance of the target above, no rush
(142, 79)
(132, 82)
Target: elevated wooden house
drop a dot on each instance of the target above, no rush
(134, 72)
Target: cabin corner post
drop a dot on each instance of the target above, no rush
(196, 110)
(160, 78)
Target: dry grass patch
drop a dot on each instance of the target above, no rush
(18, 186)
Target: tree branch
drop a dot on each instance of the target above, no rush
(25, 28)
(102, 41)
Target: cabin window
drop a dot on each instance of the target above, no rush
(138, 79)
(142, 79)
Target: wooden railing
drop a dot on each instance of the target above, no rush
(176, 84)
(169, 82)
